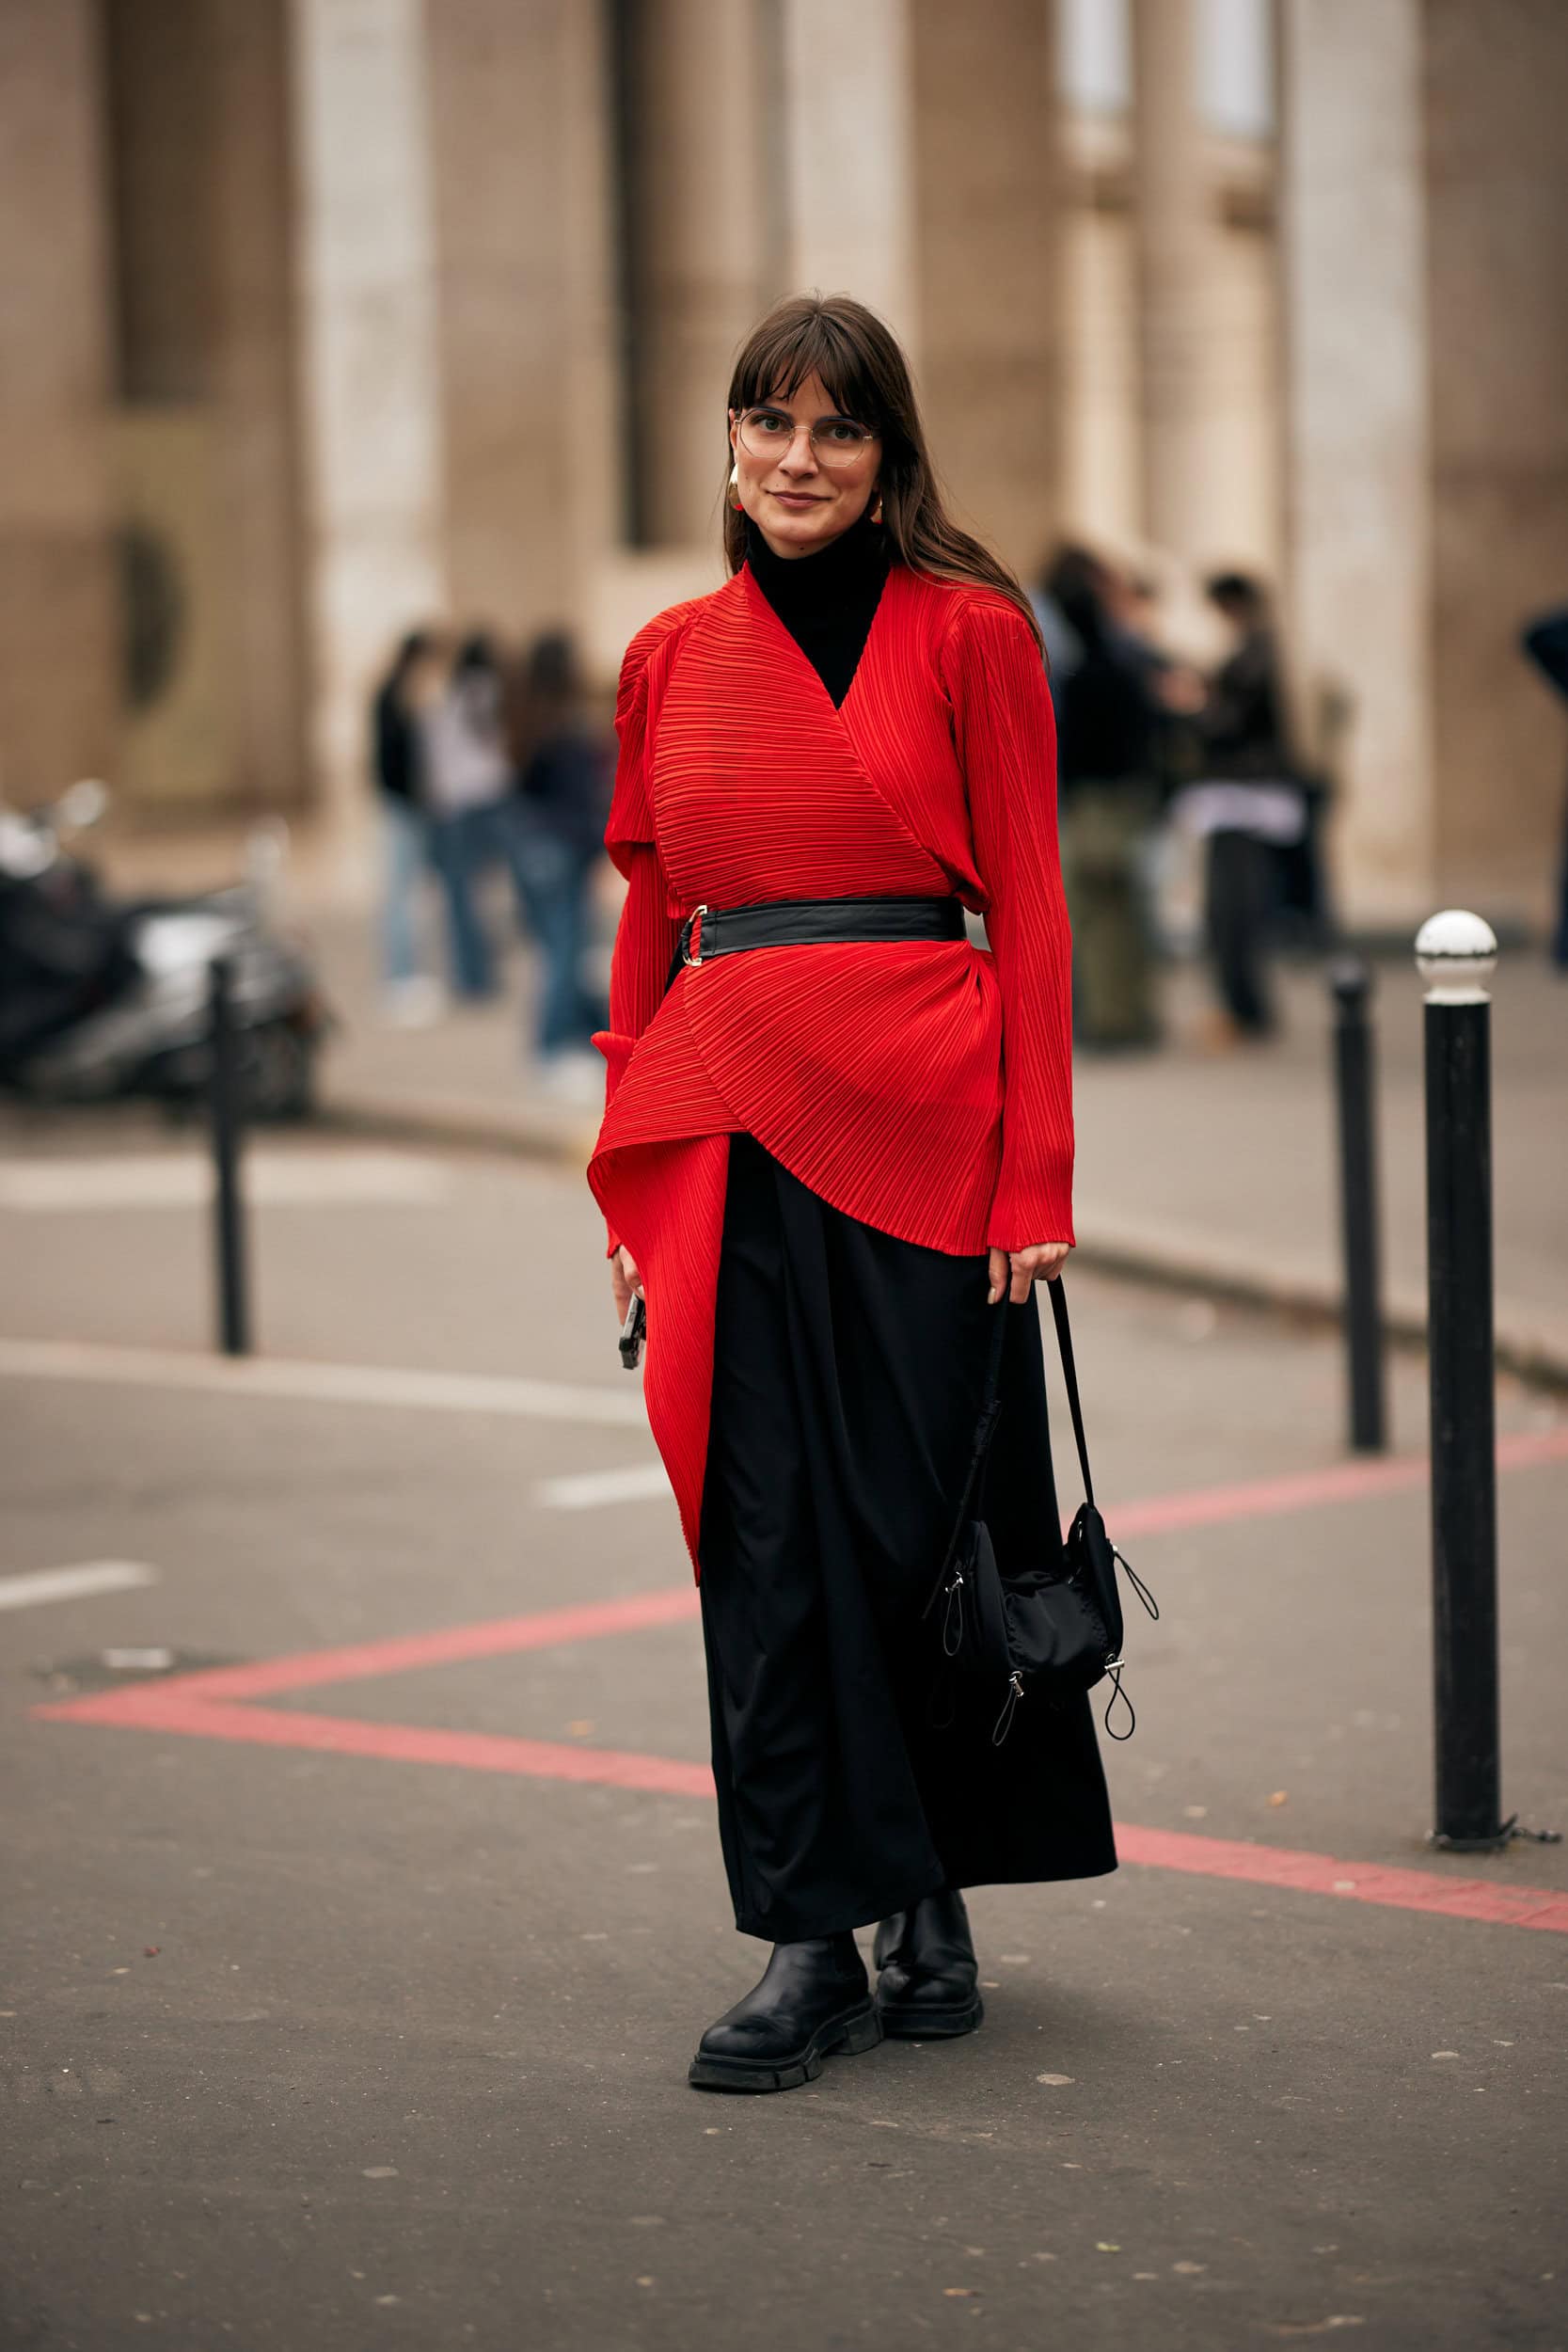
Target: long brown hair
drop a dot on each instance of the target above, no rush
(864, 372)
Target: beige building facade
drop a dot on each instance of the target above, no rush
(328, 316)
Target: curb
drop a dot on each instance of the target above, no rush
(1176, 1263)
(565, 1139)
(1162, 1261)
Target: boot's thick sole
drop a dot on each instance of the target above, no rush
(926, 2021)
(846, 2036)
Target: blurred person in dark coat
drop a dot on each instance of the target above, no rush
(1248, 803)
(560, 803)
(1545, 641)
(412, 994)
(1064, 568)
(1110, 717)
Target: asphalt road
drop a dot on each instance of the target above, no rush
(348, 2000)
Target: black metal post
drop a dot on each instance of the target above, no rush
(1358, 1212)
(1463, 1444)
(227, 1210)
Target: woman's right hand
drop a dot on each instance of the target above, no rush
(624, 1280)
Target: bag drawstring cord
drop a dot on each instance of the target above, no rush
(1115, 1669)
(1009, 1708)
(1151, 1604)
(953, 1616)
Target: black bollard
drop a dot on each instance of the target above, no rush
(227, 1115)
(1456, 954)
(1359, 1216)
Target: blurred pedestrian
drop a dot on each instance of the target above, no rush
(558, 811)
(1062, 572)
(805, 1160)
(1109, 718)
(1545, 641)
(397, 761)
(1305, 914)
(1246, 804)
(467, 778)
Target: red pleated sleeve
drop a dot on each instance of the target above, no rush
(1005, 732)
(645, 935)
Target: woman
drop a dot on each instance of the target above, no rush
(815, 1172)
(557, 818)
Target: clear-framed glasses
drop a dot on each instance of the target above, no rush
(834, 440)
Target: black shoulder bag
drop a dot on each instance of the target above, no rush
(1044, 1630)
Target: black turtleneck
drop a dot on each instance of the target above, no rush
(827, 600)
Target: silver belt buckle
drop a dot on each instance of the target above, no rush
(695, 917)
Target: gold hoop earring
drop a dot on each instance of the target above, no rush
(877, 510)
(735, 490)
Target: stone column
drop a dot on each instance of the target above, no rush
(1493, 87)
(1171, 209)
(369, 380)
(1358, 512)
(1429, 392)
(922, 175)
(523, 320)
(847, 218)
(204, 433)
(60, 639)
(985, 165)
(255, 384)
(699, 154)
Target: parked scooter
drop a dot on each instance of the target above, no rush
(101, 999)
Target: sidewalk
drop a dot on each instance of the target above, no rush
(1215, 1173)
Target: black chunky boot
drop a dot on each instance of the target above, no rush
(928, 1986)
(813, 2002)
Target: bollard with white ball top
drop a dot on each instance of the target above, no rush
(1456, 954)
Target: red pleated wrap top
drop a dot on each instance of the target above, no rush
(924, 1086)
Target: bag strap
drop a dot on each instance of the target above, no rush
(1070, 1374)
(991, 1412)
(985, 1429)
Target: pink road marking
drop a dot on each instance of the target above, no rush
(634, 1612)
(405, 1653)
(210, 1705)
(1301, 1873)
(1339, 1482)
(168, 1708)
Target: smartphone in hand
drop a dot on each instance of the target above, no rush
(633, 1332)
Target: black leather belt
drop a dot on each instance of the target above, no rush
(710, 931)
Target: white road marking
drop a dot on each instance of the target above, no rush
(93, 1576)
(321, 1384)
(183, 1180)
(635, 1484)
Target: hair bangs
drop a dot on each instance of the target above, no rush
(786, 353)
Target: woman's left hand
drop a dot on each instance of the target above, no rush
(1013, 1270)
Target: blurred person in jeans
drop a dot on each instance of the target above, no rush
(467, 775)
(412, 995)
(1246, 805)
(1545, 642)
(558, 811)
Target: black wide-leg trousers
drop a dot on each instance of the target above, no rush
(849, 1368)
